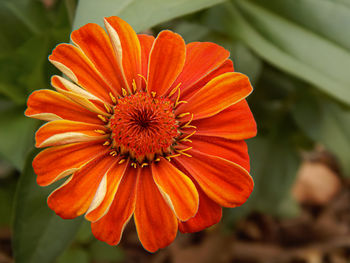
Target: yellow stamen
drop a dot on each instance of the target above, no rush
(180, 102)
(107, 108)
(102, 118)
(153, 93)
(113, 153)
(185, 139)
(183, 151)
(174, 90)
(144, 79)
(124, 92)
(172, 156)
(134, 88)
(121, 161)
(100, 131)
(106, 143)
(134, 165)
(157, 160)
(144, 164)
(183, 114)
(114, 100)
(187, 123)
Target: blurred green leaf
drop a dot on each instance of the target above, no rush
(324, 17)
(191, 31)
(327, 123)
(28, 32)
(16, 135)
(7, 190)
(74, 255)
(140, 14)
(274, 167)
(288, 45)
(38, 234)
(102, 252)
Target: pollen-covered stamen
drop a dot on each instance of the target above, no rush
(143, 126)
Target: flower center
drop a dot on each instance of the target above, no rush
(143, 126)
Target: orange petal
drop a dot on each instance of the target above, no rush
(49, 105)
(57, 162)
(155, 222)
(225, 182)
(78, 95)
(177, 189)
(110, 227)
(201, 59)
(188, 92)
(126, 47)
(73, 198)
(96, 45)
(61, 132)
(236, 123)
(75, 64)
(234, 151)
(220, 93)
(166, 61)
(209, 213)
(114, 176)
(146, 42)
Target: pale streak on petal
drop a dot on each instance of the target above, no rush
(61, 175)
(100, 194)
(69, 137)
(82, 101)
(45, 116)
(65, 70)
(77, 89)
(166, 199)
(117, 46)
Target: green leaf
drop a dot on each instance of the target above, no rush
(140, 14)
(16, 135)
(38, 234)
(102, 252)
(74, 255)
(289, 46)
(274, 166)
(327, 123)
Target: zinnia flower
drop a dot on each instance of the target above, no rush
(145, 127)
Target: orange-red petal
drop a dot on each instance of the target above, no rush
(96, 45)
(166, 61)
(74, 197)
(201, 59)
(236, 123)
(76, 65)
(177, 188)
(61, 132)
(234, 151)
(146, 42)
(126, 47)
(155, 222)
(57, 162)
(188, 92)
(217, 95)
(49, 105)
(110, 227)
(79, 95)
(114, 177)
(225, 182)
(209, 213)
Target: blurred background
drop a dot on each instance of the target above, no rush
(297, 55)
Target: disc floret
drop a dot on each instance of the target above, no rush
(143, 126)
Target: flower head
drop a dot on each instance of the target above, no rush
(145, 127)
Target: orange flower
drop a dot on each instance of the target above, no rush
(150, 128)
